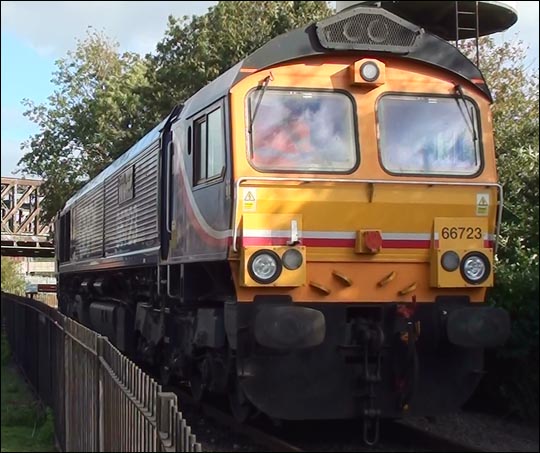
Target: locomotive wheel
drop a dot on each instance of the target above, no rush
(200, 378)
(241, 408)
(164, 364)
(165, 374)
(197, 384)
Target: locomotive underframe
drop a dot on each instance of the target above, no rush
(375, 361)
(292, 361)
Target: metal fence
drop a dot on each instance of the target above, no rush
(100, 399)
(47, 298)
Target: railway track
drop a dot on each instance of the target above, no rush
(430, 441)
(332, 435)
(395, 437)
(266, 440)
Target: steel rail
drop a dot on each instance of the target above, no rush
(268, 441)
(430, 440)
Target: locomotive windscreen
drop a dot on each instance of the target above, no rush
(428, 135)
(304, 131)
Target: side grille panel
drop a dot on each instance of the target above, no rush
(133, 224)
(87, 226)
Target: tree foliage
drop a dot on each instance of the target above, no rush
(92, 117)
(514, 87)
(12, 281)
(106, 100)
(513, 370)
(196, 50)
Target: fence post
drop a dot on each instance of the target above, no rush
(88, 369)
(100, 412)
(67, 389)
(164, 423)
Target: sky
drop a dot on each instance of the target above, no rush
(34, 34)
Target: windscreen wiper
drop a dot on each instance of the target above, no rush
(266, 81)
(470, 114)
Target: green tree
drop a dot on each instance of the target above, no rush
(515, 90)
(12, 281)
(92, 117)
(105, 101)
(513, 370)
(196, 50)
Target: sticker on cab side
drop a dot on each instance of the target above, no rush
(482, 204)
(249, 200)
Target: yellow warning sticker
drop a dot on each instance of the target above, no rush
(482, 204)
(250, 199)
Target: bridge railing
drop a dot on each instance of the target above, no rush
(101, 401)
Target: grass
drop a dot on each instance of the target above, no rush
(26, 425)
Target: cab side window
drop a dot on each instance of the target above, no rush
(209, 147)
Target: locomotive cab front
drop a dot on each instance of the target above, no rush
(365, 220)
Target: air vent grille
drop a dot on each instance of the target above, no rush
(368, 29)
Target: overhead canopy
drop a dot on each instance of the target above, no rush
(439, 17)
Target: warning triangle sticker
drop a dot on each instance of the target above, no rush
(249, 197)
(483, 202)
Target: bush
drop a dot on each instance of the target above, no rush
(45, 435)
(12, 282)
(511, 382)
(513, 374)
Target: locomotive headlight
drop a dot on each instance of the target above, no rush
(292, 259)
(450, 261)
(369, 71)
(475, 268)
(264, 266)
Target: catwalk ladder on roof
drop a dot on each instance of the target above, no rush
(467, 23)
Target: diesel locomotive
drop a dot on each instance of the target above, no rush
(313, 232)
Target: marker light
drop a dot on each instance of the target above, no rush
(450, 261)
(292, 259)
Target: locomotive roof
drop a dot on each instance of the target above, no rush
(305, 42)
(300, 43)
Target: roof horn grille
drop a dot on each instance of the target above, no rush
(372, 29)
